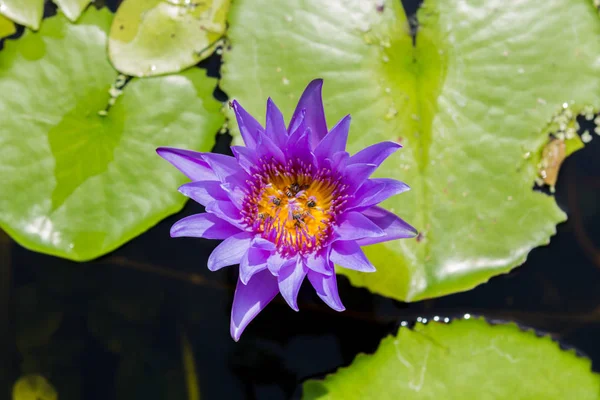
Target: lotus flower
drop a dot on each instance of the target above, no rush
(290, 205)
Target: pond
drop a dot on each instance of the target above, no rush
(136, 322)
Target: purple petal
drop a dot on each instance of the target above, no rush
(267, 148)
(191, 163)
(320, 263)
(254, 261)
(263, 244)
(204, 192)
(250, 129)
(275, 126)
(338, 161)
(356, 174)
(227, 169)
(246, 157)
(235, 194)
(299, 135)
(297, 130)
(290, 279)
(275, 263)
(393, 226)
(374, 191)
(296, 148)
(207, 226)
(226, 210)
(312, 104)
(230, 251)
(326, 288)
(349, 255)
(335, 140)
(375, 154)
(298, 123)
(353, 225)
(250, 299)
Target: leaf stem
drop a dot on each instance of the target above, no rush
(189, 367)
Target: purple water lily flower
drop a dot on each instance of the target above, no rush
(289, 205)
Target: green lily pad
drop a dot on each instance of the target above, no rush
(154, 37)
(33, 387)
(7, 27)
(467, 359)
(477, 92)
(72, 8)
(24, 12)
(79, 180)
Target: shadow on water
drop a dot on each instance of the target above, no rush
(115, 325)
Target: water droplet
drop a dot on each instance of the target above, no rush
(467, 316)
(565, 105)
(385, 58)
(289, 18)
(285, 81)
(586, 137)
(527, 155)
(588, 112)
(114, 92)
(418, 319)
(391, 113)
(102, 113)
(403, 323)
(521, 71)
(424, 320)
(153, 68)
(388, 90)
(461, 101)
(436, 318)
(446, 320)
(365, 27)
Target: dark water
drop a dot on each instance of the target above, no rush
(112, 328)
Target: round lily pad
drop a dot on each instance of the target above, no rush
(24, 12)
(467, 359)
(154, 37)
(472, 102)
(81, 177)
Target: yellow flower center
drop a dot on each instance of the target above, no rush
(294, 207)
